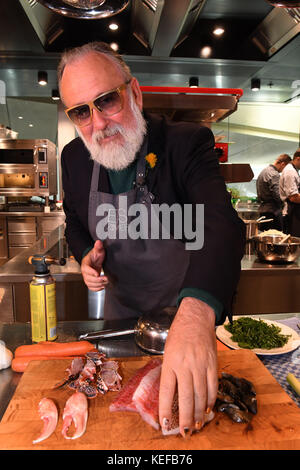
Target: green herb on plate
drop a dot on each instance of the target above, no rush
(256, 334)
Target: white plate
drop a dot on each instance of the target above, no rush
(292, 344)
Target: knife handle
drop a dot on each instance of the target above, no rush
(106, 334)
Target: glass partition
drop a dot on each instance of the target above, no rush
(257, 134)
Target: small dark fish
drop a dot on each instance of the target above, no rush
(251, 403)
(244, 385)
(224, 398)
(245, 391)
(235, 413)
(228, 388)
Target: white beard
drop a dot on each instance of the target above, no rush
(117, 156)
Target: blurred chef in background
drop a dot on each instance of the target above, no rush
(290, 194)
(267, 187)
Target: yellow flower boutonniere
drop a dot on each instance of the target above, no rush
(151, 159)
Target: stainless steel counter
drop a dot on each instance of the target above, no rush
(252, 263)
(18, 269)
(72, 294)
(263, 287)
(267, 288)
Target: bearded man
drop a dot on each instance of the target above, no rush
(111, 160)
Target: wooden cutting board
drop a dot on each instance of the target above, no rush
(276, 425)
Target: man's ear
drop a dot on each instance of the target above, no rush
(137, 94)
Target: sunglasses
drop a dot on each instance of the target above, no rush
(109, 103)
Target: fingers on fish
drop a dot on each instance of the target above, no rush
(75, 411)
(49, 414)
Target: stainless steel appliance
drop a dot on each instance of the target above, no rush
(28, 167)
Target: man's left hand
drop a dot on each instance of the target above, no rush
(189, 364)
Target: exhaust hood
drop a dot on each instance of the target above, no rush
(279, 26)
(86, 9)
(191, 104)
(202, 105)
(161, 25)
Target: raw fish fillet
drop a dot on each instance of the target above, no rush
(141, 394)
(49, 414)
(145, 398)
(76, 410)
(123, 401)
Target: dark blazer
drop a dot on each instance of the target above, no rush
(187, 171)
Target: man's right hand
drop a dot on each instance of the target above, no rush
(91, 266)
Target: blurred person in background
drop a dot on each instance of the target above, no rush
(290, 195)
(267, 187)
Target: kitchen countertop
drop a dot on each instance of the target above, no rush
(251, 262)
(18, 269)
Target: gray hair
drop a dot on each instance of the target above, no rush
(75, 53)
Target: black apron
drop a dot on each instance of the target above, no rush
(144, 274)
(293, 216)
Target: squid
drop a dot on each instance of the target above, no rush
(76, 410)
(49, 414)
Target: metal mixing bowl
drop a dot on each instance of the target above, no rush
(268, 249)
(150, 332)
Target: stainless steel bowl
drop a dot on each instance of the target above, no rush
(269, 249)
(150, 332)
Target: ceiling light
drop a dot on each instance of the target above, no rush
(218, 31)
(193, 82)
(113, 26)
(55, 95)
(43, 78)
(30, 125)
(205, 51)
(255, 84)
(114, 46)
(20, 117)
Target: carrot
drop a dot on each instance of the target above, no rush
(20, 363)
(50, 349)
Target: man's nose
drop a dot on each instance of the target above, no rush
(98, 119)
